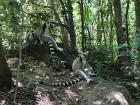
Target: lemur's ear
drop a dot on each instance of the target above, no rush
(83, 55)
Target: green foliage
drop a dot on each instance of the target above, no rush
(100, 68)
(101, 40)
(26, 75)
(48, 60)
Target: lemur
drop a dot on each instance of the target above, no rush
(43, 35)
(58, 63)
(82, 71)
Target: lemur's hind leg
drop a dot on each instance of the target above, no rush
(80, 73)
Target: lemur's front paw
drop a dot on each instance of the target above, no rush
(89, 80)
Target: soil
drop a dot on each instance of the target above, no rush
(31, 92)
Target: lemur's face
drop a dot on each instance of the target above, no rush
(83, 55)
(49, 24)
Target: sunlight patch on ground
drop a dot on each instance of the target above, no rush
(2, 102)
(43, 99)
(117, 96)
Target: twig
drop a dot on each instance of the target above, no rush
(20, 59)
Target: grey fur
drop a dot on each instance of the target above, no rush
(43, 35)
(82, 72)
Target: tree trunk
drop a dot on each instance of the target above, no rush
(111, 37)
(137, 12)
(71, 30)
(65, 18)
(126, 23)
(99, 35)
(88, 43)
(82, 25)
(5, 73)
(103, 26)
(64, 36)
(121, 39)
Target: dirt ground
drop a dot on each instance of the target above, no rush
(30, 92)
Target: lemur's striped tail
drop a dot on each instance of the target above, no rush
(64, 83)
(62, 64)
(52, 52)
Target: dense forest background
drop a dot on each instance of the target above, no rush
(108, 29)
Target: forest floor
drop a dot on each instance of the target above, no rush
(30, 92)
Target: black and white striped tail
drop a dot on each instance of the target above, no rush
(65, 83)
(63, 64)
(52, 51)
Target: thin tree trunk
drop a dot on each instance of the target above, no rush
(89, 37)
(64, 9)
(111, 26)
(64, 36)
(121, 39)
(71, 29)
(99, 35)
(82, 25)
(65, 22)
(102, 25)
(137, 12)
(126, 23)
(103, 28)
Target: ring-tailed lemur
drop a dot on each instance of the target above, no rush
(57, 63)
(43, 35)
(82, 71)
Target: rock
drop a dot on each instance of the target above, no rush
(105, 93)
